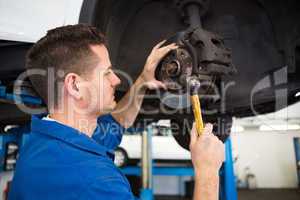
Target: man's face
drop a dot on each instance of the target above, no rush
(99, 88)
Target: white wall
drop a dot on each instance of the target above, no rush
(269, 155)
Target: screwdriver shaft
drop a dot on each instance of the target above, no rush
(197, 113)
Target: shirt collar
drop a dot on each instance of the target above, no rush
(67, 134)
(47, 117)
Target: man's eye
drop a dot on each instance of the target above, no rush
(107, 72)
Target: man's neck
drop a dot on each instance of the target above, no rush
(83, 123)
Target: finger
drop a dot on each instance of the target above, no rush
(156, 84)
(168, 47)
(159, 44)
(207, 129)
(161, 85)
(150, 85)
(194, 134)
(165, 50)
(158, 54)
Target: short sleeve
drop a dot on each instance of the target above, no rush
(108, 132)
(108, 189)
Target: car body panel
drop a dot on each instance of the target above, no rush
(28, 20)
(163, 148)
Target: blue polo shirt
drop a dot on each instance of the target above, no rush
(59, 162)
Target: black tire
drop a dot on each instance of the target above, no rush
(181, 129)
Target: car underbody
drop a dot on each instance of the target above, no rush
(246, 54)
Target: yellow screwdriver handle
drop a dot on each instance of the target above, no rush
(197, 113)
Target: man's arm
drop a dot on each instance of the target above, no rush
(128, 107)
(208, 154)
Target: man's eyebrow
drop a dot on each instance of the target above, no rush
(110, 67)
(106, 69)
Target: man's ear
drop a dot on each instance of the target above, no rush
(71, 85)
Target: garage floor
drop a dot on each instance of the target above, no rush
(262, 194)
(274, 194)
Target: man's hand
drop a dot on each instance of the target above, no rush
(207, 150)
(129, 106)
(148, 74)
(208, 154)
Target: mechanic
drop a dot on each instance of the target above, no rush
(69, 153)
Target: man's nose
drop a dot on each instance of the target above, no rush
(115, 80)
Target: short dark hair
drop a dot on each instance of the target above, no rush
(64, 48)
